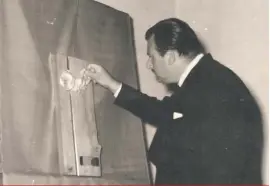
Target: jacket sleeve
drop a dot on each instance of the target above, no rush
(149, 109)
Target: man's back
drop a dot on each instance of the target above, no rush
(219, 139)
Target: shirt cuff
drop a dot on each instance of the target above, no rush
(118, 91)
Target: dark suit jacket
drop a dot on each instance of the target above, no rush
(219, 138)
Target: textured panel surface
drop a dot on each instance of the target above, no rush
(31, 30)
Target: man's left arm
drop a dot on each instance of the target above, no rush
(149, 109)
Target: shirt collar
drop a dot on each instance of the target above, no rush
(191, 65)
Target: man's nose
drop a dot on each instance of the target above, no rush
(149, 64)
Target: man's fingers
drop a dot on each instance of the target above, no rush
(92, 70)
(93, 67)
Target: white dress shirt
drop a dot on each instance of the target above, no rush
(191, 65)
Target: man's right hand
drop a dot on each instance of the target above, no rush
(99, 75)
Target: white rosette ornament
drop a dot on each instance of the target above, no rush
(71, 83)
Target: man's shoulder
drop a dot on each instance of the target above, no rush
(211, 79)
(222, 74)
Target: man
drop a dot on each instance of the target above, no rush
(209, 131)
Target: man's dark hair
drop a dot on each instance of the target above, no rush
(174, 34)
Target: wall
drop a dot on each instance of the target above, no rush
(235, 33)
(145, 14)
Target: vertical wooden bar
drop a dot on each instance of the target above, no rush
(64, 112)
(2, 60)
(58, 64)
(84, 125)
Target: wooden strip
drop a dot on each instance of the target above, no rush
(84, 125)
(64, 127)
(64, 124)
(2, 67)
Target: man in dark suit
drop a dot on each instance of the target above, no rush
(209, 131)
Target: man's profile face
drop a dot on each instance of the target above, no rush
(156, 62)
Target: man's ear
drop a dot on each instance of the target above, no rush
(170, 57)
